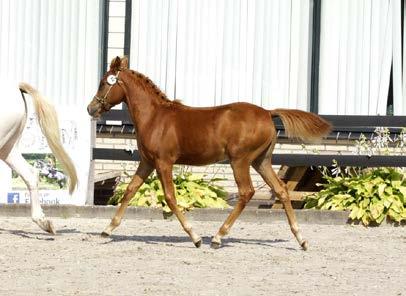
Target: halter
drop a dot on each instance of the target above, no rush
(111, 80)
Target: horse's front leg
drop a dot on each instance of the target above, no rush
(164, 170)
(142, 173)
(30, 177)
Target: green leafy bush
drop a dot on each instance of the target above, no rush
(192, 191)
(371, 196)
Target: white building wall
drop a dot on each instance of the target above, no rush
(54, 45)
(399, 75)
(215, 52)
(359, 42)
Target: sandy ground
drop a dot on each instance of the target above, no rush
(156, 258)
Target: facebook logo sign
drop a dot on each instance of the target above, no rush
(13, 197)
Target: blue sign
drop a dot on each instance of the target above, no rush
(13, 197)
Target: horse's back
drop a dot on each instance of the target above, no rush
(225, 119)
(207, 135)
(12, 116)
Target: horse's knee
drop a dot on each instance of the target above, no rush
(294, 228)
(32, 181)
(130, 189)
(246, 195)
(283, 195)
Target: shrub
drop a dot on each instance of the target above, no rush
(371, 196)
(192, 191)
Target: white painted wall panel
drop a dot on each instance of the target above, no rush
(403, 99)
(398, 96)
(355, 56)
(215, 52)
(54, 45)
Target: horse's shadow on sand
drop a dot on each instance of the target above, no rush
(38, 235)
(171, 240)
(177, 240)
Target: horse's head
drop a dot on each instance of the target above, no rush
(110, 92)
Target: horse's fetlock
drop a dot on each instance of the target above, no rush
(38, 216)
(187, 227)
(224, 230)
(116, 221)
(294, 228)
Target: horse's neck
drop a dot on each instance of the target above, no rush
(142, 106)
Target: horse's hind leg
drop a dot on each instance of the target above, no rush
(245, 192)
(143, 171)
(28, 174)
(264, 168)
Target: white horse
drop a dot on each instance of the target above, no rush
(13, 117)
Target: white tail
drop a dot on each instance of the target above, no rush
(48, 121)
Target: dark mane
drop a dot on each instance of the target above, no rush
(147, 83)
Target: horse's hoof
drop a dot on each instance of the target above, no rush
(105, 234)
(50, 228)
(304, 245)
(45, 225)
(198, 243)
(215, 245)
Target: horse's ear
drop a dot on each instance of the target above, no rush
(124, 63)
(115, 64)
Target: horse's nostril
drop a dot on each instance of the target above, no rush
(90, 111)
(93, 111)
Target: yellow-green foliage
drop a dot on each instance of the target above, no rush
(371, 196)
(192, 191)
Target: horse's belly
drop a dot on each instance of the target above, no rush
(12, 117)
(202, 157)
(10, 131)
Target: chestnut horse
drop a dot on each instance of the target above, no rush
(170, 133)
(13, 116)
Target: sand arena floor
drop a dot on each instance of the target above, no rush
(156, 258)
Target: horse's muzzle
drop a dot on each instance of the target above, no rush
(92, 109)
